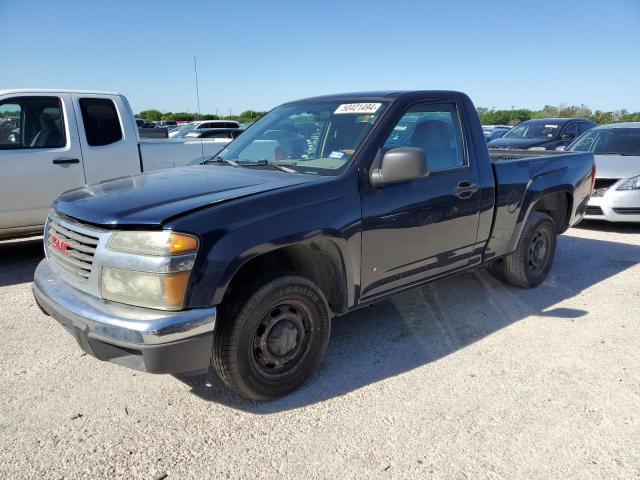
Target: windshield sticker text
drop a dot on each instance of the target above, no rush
(358, 108)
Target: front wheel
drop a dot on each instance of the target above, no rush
(529, 264)
(273, 339)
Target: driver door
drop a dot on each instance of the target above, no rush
(425, 227)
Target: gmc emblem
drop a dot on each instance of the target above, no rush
(60, 244)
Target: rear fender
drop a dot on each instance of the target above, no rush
(514, 204)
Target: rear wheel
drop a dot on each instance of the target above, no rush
(529, 264)
(273, 339)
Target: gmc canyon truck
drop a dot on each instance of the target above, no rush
(321, 207)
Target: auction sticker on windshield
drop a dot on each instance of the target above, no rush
(358, 108)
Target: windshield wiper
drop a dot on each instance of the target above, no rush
(266, 163)
(221, 160)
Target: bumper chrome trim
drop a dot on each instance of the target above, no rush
(112, 321)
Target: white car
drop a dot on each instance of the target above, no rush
(56, 140)
(182, 130)
(616, 147)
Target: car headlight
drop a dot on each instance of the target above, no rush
(631, 184)
(159, 243)
(158, 274)
(164, 291)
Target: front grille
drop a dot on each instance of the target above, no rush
(594, 211)
(602, 185)
(627, 211)
(69, 249)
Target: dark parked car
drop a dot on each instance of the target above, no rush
(546, 133)
(242, 262)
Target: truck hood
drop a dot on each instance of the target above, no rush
(617, 166)
(519, 143)
(152, 198)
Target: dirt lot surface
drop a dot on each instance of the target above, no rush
(465, 378)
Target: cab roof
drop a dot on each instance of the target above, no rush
(54, 90)
(375, 95)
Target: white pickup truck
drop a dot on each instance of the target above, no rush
(56, 140)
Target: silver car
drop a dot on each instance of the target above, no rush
(616, 147)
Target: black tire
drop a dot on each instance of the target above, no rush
(271, 339)
(529, 264)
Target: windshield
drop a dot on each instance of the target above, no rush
(609, 141)
(309, 137)
(533, 130)
(185, 128)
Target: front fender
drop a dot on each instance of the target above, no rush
(236, 232)
(227, 249)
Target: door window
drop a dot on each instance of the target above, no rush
(435, 128)
(571, 129)
(31, 122)
(101, 121)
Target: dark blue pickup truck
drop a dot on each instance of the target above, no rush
(322, 206)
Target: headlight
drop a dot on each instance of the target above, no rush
(161, 243)
(631, 184)
(153, 290)
(154, 274)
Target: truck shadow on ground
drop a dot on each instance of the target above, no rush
(604, 226)
(430, 322)
(18, 260)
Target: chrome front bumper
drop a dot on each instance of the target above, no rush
(145, 339)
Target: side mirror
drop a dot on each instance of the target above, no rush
(400, 165)
(567, 136)
(561, 148)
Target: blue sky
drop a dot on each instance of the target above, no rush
(257, 54)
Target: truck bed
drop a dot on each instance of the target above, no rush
(523, 179)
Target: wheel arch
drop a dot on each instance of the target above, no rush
(558, 205)
(319, 260)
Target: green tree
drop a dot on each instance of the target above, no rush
(181, 117)
(602, 118)
(153, 115)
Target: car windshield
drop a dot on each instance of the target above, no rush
(309, 137)
(533, 130)
(185, 128)
(609, 141)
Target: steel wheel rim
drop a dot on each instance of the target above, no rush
(539, 249)
(281, 338)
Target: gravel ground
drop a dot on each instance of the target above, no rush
(465, 378)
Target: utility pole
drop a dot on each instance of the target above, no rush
(195, 70)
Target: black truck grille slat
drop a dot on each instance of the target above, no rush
(77, 257)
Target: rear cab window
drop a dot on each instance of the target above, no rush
(101, 121)
(32, 122)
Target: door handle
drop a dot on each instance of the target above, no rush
(465, 189)
(65, 161)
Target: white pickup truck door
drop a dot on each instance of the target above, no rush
(39, 156)
(108, 136)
